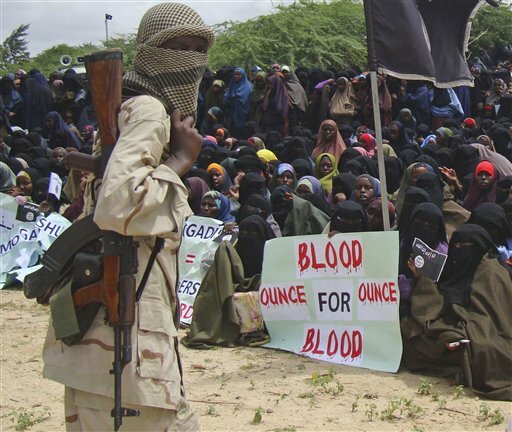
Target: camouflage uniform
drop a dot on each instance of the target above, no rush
(142, 198)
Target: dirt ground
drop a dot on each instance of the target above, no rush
(249, 389)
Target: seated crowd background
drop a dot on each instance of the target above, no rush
(293, 152)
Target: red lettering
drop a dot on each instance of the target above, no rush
(277, 296)
(304, 261)
(357, 254)
(316, 265)
(345, 346)
(282, 296)
(308, 345)
(345, 255)
(357, 344)
(392, 292)
(361, 293)
(188, 312)
(332, 343)
(330, 255)
(375, 292)
(264, 297)
(316, 350)
(292, 294)
(301, 295)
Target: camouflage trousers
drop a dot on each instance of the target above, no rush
(90, 412)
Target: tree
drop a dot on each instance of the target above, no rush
(491, 26)
(14, 48)
(304, 33)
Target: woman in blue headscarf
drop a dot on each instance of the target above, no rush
(58, 132)
(216, 206)
(237, 101)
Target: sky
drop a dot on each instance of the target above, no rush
(74, 22)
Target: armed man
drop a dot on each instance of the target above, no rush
(142, 198)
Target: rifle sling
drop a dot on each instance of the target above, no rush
(159, 244)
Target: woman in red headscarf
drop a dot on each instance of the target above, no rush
(483, 186)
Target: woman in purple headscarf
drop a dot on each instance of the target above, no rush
(275, 106)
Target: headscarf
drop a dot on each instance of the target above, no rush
(493, 218)
(251, 184)
(266, 155)
(343, 103)
(375, 185)
(462, 262)
(369, 143)
(503, 189)
(349, 217)
(303, 167)
(281, 206)
(336, 146)
(7, 177)
(433, 185)
(501, 163)
(410, 124)
(226, 182)
(60, 135)
(413, 197)
(280, 170)
(238, 99)
(343, 183)
(198, 187)
(427, 224)
(376, 203)
(474, 195)
(296, 92)
(254, 231)
(402, 141)
(223, 204)
(326, 181)
(171, 75)
(312, 183)
(277, 100)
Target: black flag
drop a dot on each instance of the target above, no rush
(421, 39)
(108, 17)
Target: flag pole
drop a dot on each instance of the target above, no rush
(372, 67)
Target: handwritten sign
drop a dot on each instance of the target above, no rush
(334, 299)
(201, 238)
(25, 235)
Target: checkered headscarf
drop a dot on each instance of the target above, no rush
(171, 75)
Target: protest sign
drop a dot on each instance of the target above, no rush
(334, 299)
(201, 238)
(428, 261)
(25, 235)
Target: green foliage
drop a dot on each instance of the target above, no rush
(258, 416)
(491, 25)
(304, 33)
(24, 419)
(14, 48)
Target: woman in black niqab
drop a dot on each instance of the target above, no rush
(468, 245)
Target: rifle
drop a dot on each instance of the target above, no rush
(116, 290)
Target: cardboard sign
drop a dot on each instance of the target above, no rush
(334, 299)
(201, 238)
(25, 235)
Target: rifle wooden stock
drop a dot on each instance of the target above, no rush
(84, 162)
(104, 292)
(105, 72)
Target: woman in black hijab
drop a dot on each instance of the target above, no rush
(348, 217)
(471, 303)
(413, 197)
(253, 233)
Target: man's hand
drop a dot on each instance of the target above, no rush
(185, 144)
